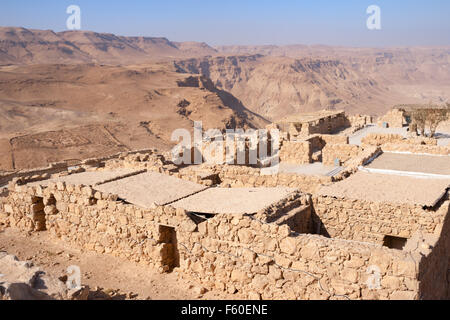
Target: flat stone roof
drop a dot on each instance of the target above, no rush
(89, 178)
(150, 188)
(233, 200)
(388, 188)
(412, 163)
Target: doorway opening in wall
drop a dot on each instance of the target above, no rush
(394, 242)
(38, 214)
(169, 253)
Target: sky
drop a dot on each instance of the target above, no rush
(246, 22)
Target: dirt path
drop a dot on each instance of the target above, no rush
(108, 273)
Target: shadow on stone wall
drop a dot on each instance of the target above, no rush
(434, 269)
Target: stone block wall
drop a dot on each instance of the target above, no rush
(419, 149)
(253, 256)
(326, 125)
(296, 152)
(367, 221)
(265, 261)
(343, 152)
(33, 174)
(394, 118)
(94, 221)
(434, 266)
(379, 139)
(239, 177)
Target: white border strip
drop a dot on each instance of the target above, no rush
(420, 175)
(418, 154)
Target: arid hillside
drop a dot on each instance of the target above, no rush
(66, 112)
(24, 46)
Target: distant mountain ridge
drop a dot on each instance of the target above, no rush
(27, 46)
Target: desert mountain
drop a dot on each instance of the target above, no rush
(23, 46)
(357, 80)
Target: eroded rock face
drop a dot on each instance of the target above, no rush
(23, 281)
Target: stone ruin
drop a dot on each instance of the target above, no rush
(234, 228)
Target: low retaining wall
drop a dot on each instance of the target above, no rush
(379, 139)
(419, 149)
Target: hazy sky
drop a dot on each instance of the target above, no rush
(333, 22)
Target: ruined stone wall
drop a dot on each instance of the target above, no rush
(367, 221)
(94, 221)
(39, 173)
(434, 267)
(342, 152)
(394, 118)
(296, 152)
(239, 177)
(378, 139)
(257, 260)
(419, 149)
(238, 254)
(359, 121)
(319, 141)
(327, 125)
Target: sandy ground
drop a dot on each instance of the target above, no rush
(233, 200)
(148, 188)
(412, 163)
(102, 272)
(388, 188)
